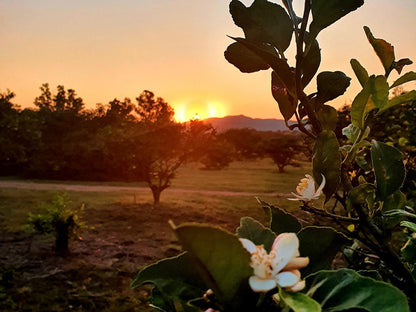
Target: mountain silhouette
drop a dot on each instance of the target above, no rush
(222, 124)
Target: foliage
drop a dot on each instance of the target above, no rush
(373, 222)
(282, 149)
(57, 218)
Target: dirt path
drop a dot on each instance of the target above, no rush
(106, 188)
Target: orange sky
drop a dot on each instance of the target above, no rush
(117, 48)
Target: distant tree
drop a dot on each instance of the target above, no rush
(62, 101)
(160, 143)
(283, 148)
(44, 101)
(11, 151)
(207, 147)
(247, 142)
(153, 111)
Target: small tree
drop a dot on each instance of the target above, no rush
(282, 149)
(58, 218)
(160, 143)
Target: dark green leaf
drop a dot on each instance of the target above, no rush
(398, 66)
(331, 85)
(327, 162)
(352, 132)
(270, 56)
(403, 79)
(360, 71)
(388, 168)
(410, 225)
(221, 260)
(263, 21)
(346, 289)
(311, 61)
(404, 98)
(373, 95)
(364, 193)
(328, 116)
(287, 105)
(244, 59)
(320, 244)
(408, 251)
(391, 218)
(326, 12)
(256, 232)
(175, 278)
(299, 302)
(280, 221)
(383, 49)
(397, 200)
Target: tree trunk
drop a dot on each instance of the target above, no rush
(156, 195)
(63, 229)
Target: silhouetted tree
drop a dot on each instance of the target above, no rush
(247, 142)
(161, 149)
(283, 148)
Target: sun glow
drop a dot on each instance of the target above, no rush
(195, 109)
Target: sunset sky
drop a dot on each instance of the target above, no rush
(117, 48)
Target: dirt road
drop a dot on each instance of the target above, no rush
(107, 188)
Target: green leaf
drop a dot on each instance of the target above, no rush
(320, 244)
(244, 59)
(264, 21)
(280, 221)
(256, 232)
(403, 79)
(388, 167)
(398, 66)
(299, 302)
(175, 279)
(328, 116)
(363, 193)
(404, 98)
(352, 132)
(221, 260)
(311, 61)
(383, 49)
(397, 200)
(391, 218)
(326, 12)
(327, 161)
(410, 225)
(379, 91)
(346, 289)
(374, 95)
(331, 85)
(359, 71)
(287, 105)
(408, 251)
(280, 66)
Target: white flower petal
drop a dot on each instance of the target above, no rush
(296, 263)
(285, 247)
(321, 187)
(287, 279)
(261, 285)
(297, 287)
(248, 245)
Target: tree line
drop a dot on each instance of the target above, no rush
(139, 140)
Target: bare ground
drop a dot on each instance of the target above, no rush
(97, 273)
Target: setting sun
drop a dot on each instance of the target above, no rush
(191, 109)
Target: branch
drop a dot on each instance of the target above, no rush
(329, 215)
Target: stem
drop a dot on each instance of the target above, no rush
(351, 154)
(329, 215)
(393, 261)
